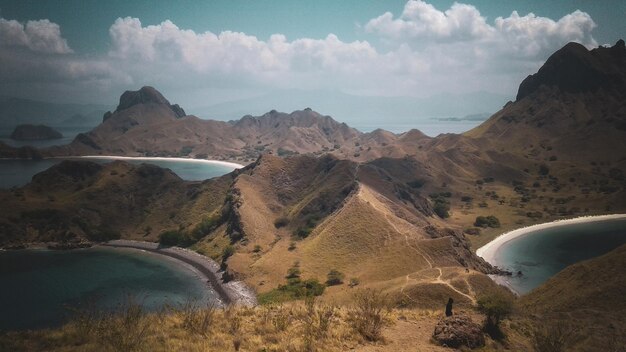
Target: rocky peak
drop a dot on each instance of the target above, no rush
(145, 95)
(574, 69)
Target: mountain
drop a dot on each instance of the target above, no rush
(578, 95)
(388, 209)
(358, 110)
(16, 111)
(324, 213)
(145, 123)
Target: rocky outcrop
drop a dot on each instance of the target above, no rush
(145, 95)
(574, 69)
(29, 132)
(458, 331)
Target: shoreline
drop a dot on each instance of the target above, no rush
(160, 158)
(489, 251)
(233, 292)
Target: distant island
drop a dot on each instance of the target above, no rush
(28, 132)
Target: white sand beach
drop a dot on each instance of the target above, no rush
(488, 252)
(145, 158)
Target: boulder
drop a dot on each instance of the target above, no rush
(457, 331)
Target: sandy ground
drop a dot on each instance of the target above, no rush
(234, 292)
(187, 160)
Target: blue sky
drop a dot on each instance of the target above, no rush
(201, 53)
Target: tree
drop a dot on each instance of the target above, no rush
(496, 307)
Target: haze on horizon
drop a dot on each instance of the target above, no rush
(352, 60)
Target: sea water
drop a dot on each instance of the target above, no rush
(18, 172)
(41, 288)
(541, 254)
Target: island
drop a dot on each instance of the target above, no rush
(28, 132)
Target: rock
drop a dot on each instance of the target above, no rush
(145, 95)
(457, 331)
(28, 132)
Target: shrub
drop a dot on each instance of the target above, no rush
(441, 208)
(124, 331)
(257, 249)
(369, 314)
(197, 319)
(487, 221)
(354, 282)
(227, 252)
(474, 231)
(293, 273)
(496, 307)
(552, 338)
(543, 170)
(207, 225)
(292, 246)
(466, 199)
(175, 238)
(334, 277)
(281, 222)
(416, 183)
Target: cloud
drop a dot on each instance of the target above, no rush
(40, 36)
(422, 51)
(422, 24)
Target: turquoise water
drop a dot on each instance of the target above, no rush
(543, 253)
(37, 286)
(16, 172)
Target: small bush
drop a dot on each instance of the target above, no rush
(175, 238)
(442, 209)
(281, 222)
(257, 249)
(416, 183)
(369, 314)
(227, 252)
(126, 330)
(544, 170)
(474, 231)
(487, 221)
(552, 338)
(354, 282)
(334, 277)
(197, 319)
(292, 246)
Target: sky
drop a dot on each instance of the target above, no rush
(202, 53)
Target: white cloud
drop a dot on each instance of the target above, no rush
(425, 51)
(39, 36)
(422, 24)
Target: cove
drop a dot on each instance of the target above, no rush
(18, 172)
(38, 286)
(541, 251)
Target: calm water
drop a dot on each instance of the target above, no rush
(544, 253)
(15, 172)
(37, 286)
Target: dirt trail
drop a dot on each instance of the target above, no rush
(406, 230)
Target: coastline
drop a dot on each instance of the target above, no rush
(146, 158)
(488, 252)
(233, 292)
